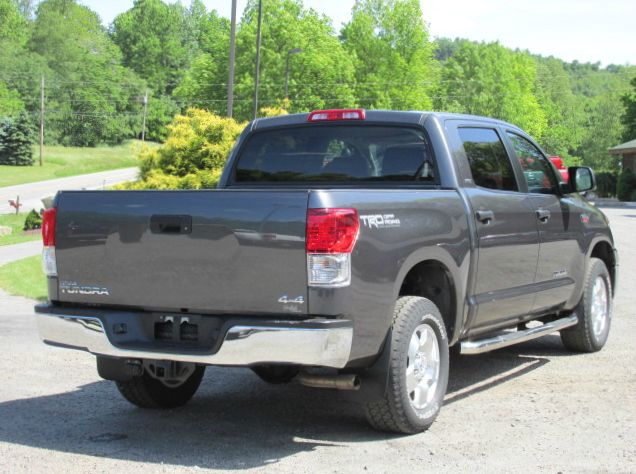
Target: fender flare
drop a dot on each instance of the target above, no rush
(458, 276)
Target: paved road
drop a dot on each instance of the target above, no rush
(11, 253)
(31, 193)
(528, 408)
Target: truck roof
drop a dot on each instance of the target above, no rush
(379, 116)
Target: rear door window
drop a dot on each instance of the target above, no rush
(489, 162)
(336, 153)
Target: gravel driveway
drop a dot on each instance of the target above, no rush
(528, 408)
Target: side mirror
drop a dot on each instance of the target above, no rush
(581, 179)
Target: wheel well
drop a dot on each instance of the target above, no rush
(604, 251)
(431, 279)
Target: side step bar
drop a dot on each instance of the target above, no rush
(505, 339)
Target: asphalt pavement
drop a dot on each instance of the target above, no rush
(11, 253)
(527, 408)
(32, 193)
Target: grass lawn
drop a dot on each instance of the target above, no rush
(60, 161)
(24, 278)
(16, 222)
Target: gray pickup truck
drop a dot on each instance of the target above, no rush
(343, 249)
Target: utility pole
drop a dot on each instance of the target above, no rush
(143, 124)
(289, 54)
(230, 79)
(258, 56)
(41, 119)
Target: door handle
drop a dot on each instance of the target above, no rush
(543, 215)
(170, 224)
(485, 216)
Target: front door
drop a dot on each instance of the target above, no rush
(558, 222)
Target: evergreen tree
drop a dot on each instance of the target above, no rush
(16, 139)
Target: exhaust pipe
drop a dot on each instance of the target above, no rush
(339, 382)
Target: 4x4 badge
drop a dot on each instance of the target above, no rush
(286, 299)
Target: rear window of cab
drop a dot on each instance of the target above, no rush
(336, 153)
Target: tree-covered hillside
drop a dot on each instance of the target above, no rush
(96, 78)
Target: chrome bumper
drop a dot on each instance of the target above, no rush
(242, 345)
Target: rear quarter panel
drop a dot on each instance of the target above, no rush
(398, 230)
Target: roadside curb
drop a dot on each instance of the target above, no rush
(614, 203)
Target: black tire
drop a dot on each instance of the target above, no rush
(148, 392)
(275, 374)
(396, 411)
(583, 337)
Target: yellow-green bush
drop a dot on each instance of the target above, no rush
(193, 155)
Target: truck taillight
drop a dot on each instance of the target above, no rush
(49, 263)
(331, 236)
(336, 114)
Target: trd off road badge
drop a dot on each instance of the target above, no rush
(380, 221)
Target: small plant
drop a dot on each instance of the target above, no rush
(33, 220)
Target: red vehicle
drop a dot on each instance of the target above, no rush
(557, 161)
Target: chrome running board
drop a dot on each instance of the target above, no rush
(478, 346)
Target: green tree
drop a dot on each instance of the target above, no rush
(161, 111)
(204, 85)
(598, 93)
(393, 57)
(563, 110)
(155, 42)
(489, 79)
(16, 138)
(91, 97)
(13, 25)
(26, 7)
(629, 116)
(320, 76)
(601, 130)
(10, 102)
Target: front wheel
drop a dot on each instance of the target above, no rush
(146, 391)
(594, 311)
(418, 369)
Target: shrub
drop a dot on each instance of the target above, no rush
(626, 185)
(33, 221)
(606, 183)
(193, 155)
(16, 138)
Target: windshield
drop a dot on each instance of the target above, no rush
(336, 153)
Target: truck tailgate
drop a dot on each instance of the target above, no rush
(207, 251)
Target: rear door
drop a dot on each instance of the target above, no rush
(559, 226)
(508, 241)
(207, 251)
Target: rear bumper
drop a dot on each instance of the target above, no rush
(325, 343)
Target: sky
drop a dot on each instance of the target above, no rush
(583, 30)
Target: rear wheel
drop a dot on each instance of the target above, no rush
(594, 312)
(418, 369)
(146, 391)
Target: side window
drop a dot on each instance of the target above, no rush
(536, 168)
(489, 162)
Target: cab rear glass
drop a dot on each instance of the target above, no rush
(336, 153)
